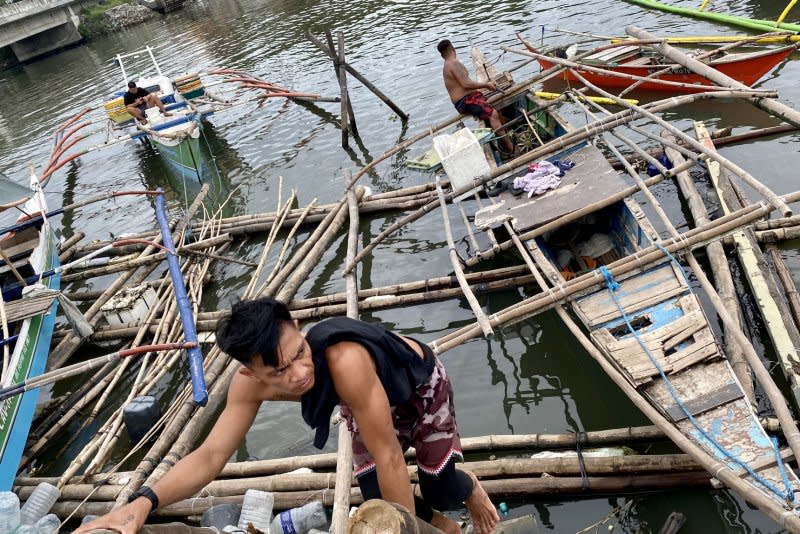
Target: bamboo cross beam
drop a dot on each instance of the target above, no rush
(563, 142)
(480, 316)
(357, 75)
(78, 368)
(614, 74)
(692, 238)
(696, 145)
(774, 107)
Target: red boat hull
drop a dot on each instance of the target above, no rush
(747, 71)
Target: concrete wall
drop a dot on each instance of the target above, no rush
(46, 42)
(37, 27)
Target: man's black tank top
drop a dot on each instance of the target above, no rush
(399, 368)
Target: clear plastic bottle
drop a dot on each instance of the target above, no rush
(300, 520)
(49, 524)
(9, 511)
(39, 503)
(26, 529)
(221, 515)
(256, 509)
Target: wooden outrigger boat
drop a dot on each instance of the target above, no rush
(648, 324)
(28, 315)
(177, 137)
(635, 60)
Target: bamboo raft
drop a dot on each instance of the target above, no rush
(686, 384)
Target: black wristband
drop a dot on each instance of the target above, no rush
(148, 494)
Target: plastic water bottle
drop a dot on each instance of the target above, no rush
(9, 511)
(26, 529)
(256, 509)
(221, 515)
(39, 503)
(300, 520)
(49, 524)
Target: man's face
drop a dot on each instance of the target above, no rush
(131, 90)
(294, 374)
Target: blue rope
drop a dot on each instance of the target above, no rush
(782, 469)
(613, 286)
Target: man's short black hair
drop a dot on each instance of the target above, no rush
(131, 84)
(443, 46)
(254, 328)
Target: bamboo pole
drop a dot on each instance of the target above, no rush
(304, 250)
(513, 487)
(146, 259)
(454, 262)
(774, 107)
(699, 147)
(722, 275)
(344, 459)
(67, 248)
(499, 444)
(787, 281)
(299, 274)
(378, 302)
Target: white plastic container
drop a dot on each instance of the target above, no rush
(462, 158)
(256, 509)
(300, 520)
(39, 503)
(49, 524)
(9, 511)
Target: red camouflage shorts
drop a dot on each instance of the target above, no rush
(474, 104)
(427, 421)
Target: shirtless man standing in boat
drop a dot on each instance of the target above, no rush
(466, 95)
(393, 392)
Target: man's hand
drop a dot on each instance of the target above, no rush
(127, 520)
(491, 86)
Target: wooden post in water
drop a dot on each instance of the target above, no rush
(347, 116)
(357, 75)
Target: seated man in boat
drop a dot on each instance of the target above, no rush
(137, 100)
(393, 391)
(465, 93)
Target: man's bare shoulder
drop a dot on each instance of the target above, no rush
(246, 389)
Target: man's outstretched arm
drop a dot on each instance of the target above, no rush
(358, 386)
(462, 77)
(193, 472)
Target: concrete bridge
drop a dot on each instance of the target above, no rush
(35, 27)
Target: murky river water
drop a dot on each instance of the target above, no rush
(532, 378)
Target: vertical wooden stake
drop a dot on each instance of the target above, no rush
(343, 76)
(337, 62)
